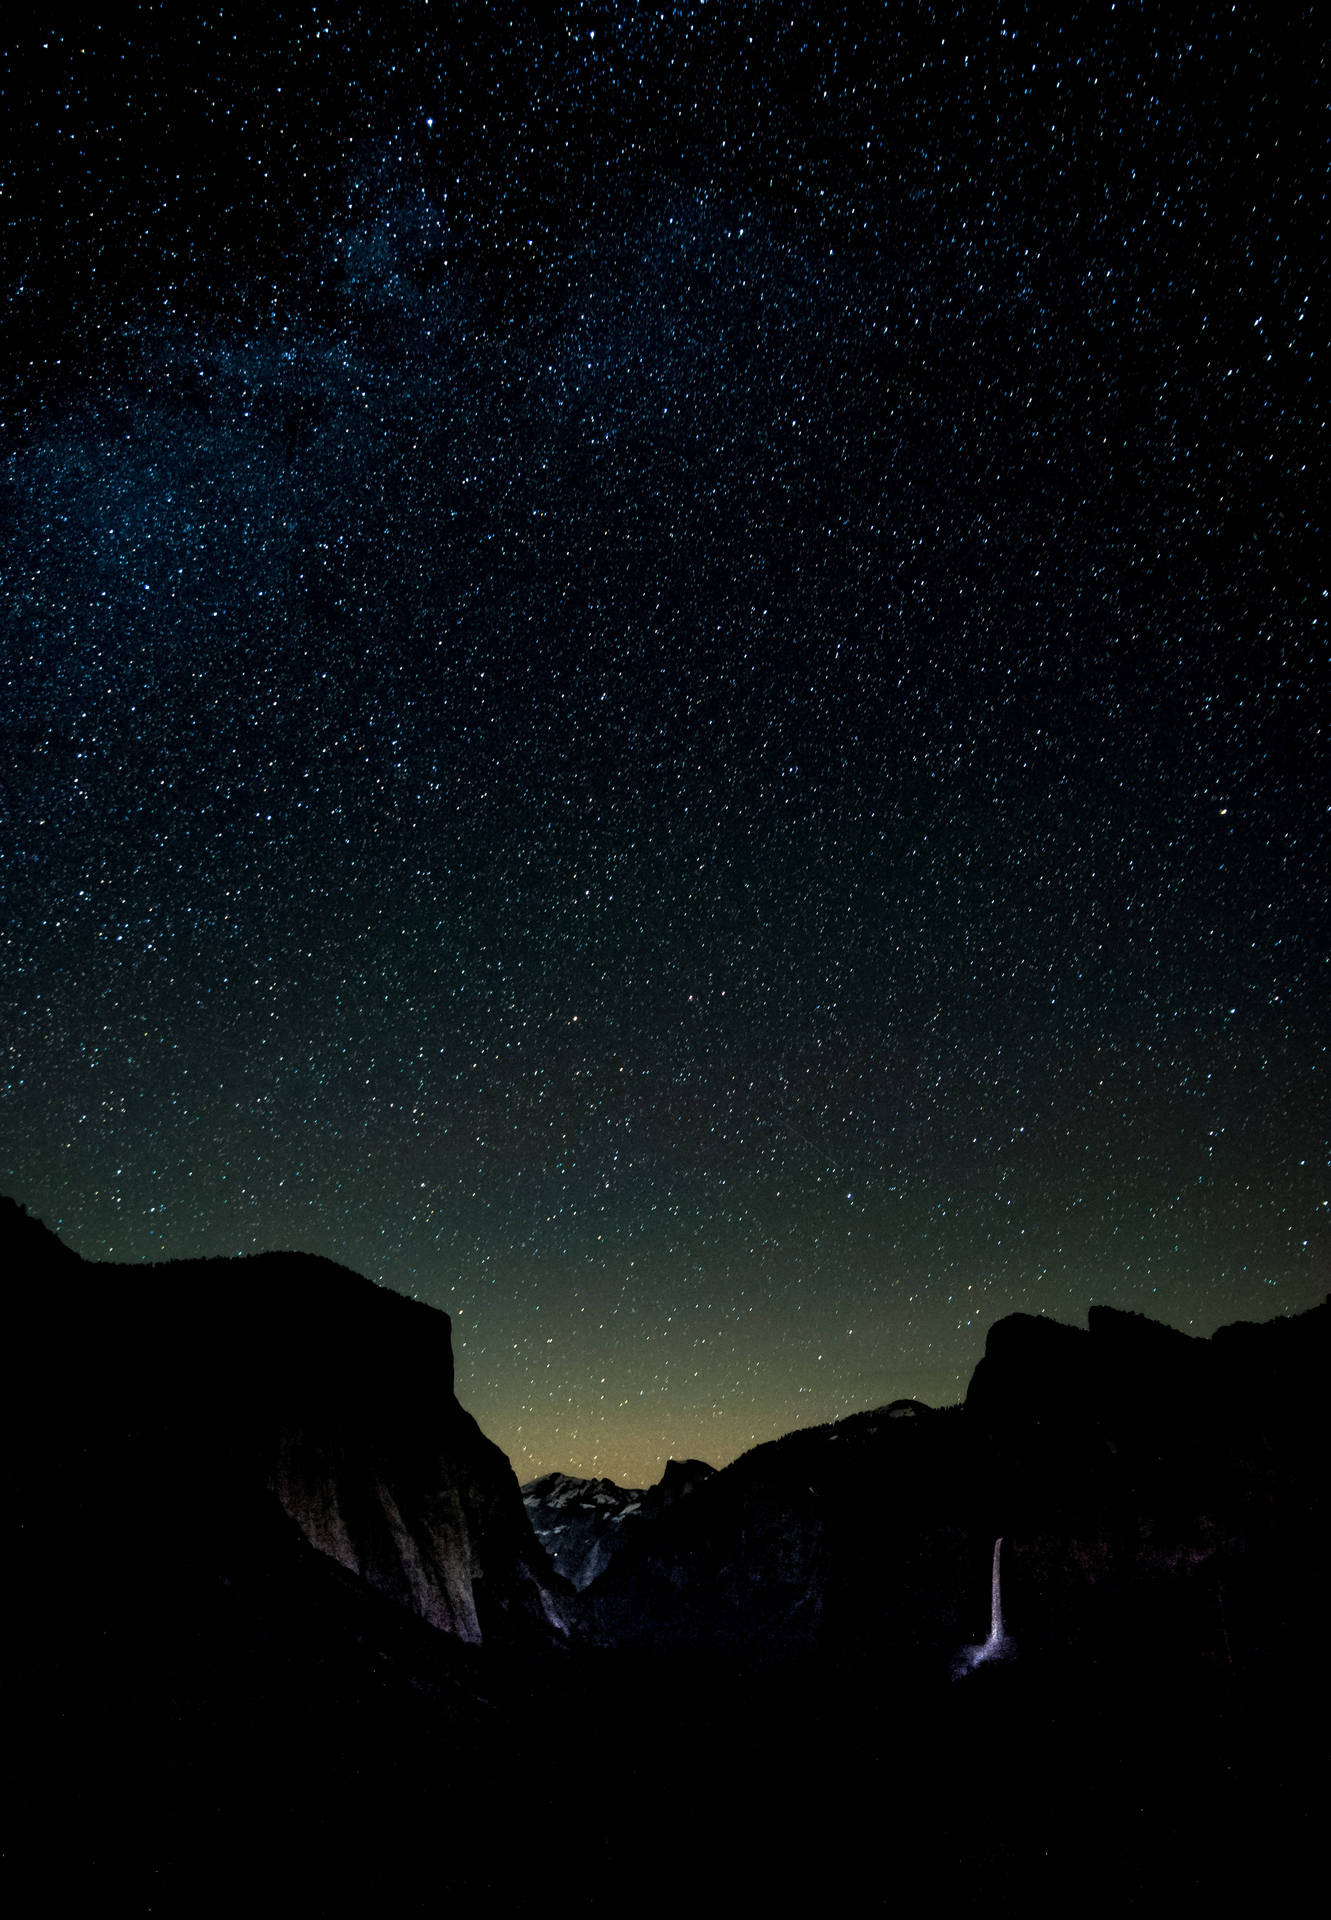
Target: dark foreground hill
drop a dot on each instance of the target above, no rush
(278, 1634)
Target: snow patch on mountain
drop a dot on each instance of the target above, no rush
(582, 1523)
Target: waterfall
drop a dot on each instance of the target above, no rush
(997, 1646)
(996, 1634)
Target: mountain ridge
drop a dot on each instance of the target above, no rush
(220, 1647)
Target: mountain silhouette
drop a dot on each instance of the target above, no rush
(279, 1380)
(1160, 1497)
(255, 1550)
(279, 1631)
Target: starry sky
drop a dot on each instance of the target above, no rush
(665, 679)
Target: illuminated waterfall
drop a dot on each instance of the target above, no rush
(997, 1646)
(997, 1637)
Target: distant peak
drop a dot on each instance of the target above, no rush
(685, 1470)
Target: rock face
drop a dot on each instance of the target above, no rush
(251, 1542)
(853, 1538)
(285, 1378)
(1160, 1500)
(1160, 1494)
(583, 1523)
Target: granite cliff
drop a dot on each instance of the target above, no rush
(281, 1379)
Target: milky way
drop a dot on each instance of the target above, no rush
(665, 680)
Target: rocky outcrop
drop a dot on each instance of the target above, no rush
(1160, 1493)
(679, 1478)
(240, 1504)
(278, 1377)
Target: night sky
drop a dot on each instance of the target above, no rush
(665, 679)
